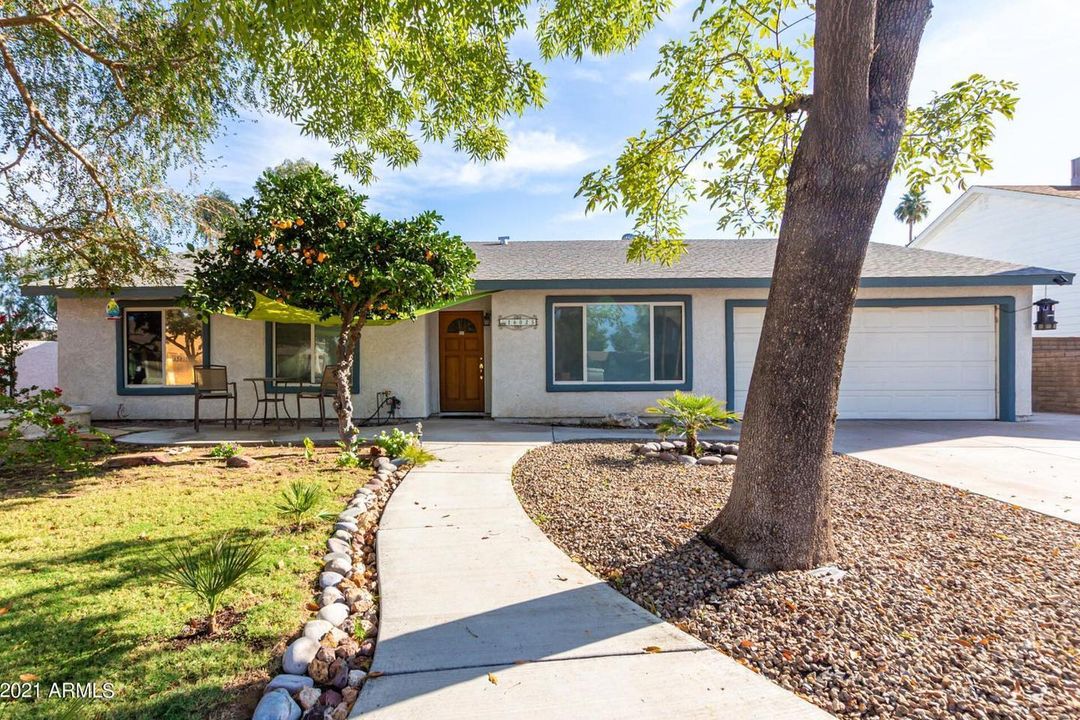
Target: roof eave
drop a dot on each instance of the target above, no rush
(1017, 278)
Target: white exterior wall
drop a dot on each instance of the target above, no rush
(404, 358)
(392, 357)
(36, 365)
(518, 366)
(1037, 230)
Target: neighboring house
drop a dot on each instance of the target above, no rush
(36, 365)
(571, 330)
(1029, 225)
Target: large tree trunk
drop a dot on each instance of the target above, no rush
(346, 346)
(778, 515)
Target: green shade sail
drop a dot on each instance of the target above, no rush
(268, 310)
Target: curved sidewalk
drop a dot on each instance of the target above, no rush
(483, 617)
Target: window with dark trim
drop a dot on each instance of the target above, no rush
(610, 343)
(161, 347)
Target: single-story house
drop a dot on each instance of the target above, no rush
(571, 330)
(1027, 224)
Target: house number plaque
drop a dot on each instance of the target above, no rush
(517, 322)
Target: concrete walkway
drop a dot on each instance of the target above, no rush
(483, 617)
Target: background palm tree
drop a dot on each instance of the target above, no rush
(913, 208)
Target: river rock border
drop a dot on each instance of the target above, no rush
(324, 669)
(717, 453)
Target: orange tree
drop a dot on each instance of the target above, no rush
(307, 241)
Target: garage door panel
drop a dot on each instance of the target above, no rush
(917, 362)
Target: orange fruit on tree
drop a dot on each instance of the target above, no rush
(341, 224)
(299, 222)
(308, 261)
(258, 253)
(323, 256)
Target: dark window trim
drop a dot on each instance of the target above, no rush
(269, 365)
(122, 388)
(687, 383)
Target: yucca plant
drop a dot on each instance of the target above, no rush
(209, 572)
(688, 415)
(300, 503)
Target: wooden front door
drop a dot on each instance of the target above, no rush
(461, 361)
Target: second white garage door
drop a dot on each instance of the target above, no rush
(912, 362)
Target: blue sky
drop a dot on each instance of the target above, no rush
(595, 104)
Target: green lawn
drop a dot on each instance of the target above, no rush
(79, 604)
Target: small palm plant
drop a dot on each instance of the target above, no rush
(208, 573)
(300, 503)
(688, 415)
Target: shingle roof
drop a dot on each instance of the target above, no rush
(718, 263)
(584, 260)
(1065, 191)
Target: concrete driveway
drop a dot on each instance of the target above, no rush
(1034, 464)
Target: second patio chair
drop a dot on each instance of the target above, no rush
(327, 388)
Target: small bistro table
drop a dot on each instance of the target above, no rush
(271, 391)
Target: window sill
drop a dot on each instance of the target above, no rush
(156, 390)
(620, 387)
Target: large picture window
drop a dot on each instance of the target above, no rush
(162, 346)
(618, 343)
(302, 351)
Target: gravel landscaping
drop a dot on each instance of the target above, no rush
(953, 605)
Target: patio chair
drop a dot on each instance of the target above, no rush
(327, 388)
(212, 383)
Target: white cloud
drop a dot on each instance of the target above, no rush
(531, 157)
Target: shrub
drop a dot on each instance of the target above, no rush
(309, 449)
(350, 456)
(37, 433)
(300, 503)
(208, 573)
(225, 450)
(417, 455)
(687, 415)
(395, 442)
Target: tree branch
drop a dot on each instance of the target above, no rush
(37, 116)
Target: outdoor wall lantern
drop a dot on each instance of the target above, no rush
(487, 319)
(1044, 317)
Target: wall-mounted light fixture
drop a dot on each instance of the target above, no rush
(1044, 317)
(487, 319)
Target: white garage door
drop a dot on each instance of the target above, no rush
(912, 362)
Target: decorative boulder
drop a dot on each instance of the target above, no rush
(338, 565)
(335, 545)
(277, 705)
(665, 445)
(666, 455)
(309, 697)
(241, 461)
(334, 614)
(327, 579)
(329, 596)
(688, 460)
(289, 683)
(709, 460)
(298, 655)
(315, 629)
(624, 420)
(729, 459)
